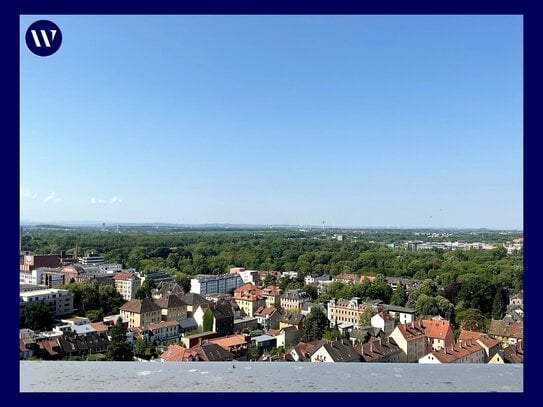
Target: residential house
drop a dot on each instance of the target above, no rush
(365, 334)
(336, 351)
(264, 342)
(268, 317)
(294, 299)
(404, 315)
(236, 344)
(285, 337)
(506, 331)
(164, 330)
(165, 288)
(208, 352)
(301, 351)
(462, 352)
(295, 319)
(127, 284)
(346, 311)
(193, 301)
(223, 317)
(412, 340)
(438, 332)
(141, 313)
(249, 298)
(512, 354)
(490, 345)
(382, 350)
(172, 307)
(272, 295)
(517, 299)
(384, 321)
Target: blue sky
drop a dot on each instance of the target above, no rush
(355, 120)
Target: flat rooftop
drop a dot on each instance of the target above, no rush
(60, 376)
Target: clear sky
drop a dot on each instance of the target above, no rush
(355, 120)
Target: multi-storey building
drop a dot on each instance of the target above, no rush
(463, 352)
(60, 302)
(346, 311)
(207, 284)
(249, 298)
(294, 299)
(412, 340)
(140, 313)
(127, 284)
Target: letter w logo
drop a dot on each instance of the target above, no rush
(44, 36)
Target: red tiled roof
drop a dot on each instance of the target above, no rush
(369, 278)
(487, 341)
(457, 351)
(265, 311)
(99, 326)
(228, 341)
(514, 353)
(23, 343)
(162, 324)
(386, 316)
(465, 335)
(412, 331)
(437, 329)
(176, 353)
(248, 292)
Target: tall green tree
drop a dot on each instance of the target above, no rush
(207, 323)
(367, 314)
(499, 305)
(118, 349)
(145, 291)
(315, 325)
(399, 297)
(36, 316)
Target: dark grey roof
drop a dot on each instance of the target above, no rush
(214, 352)
(170, 301)
(292, 318)
(188, 323)
(140, 306)
(341, 351)
(194, 299)
(396, 308)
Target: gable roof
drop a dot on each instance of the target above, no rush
(506, 329)
(212, 352)
(292, 318)
(168, 301)
(140, 306)
(437, 329)
(230, 341)
(411, 330)
(265, 311)
(194, 299)
(340, 351)
(514, 353)
(457, 351)
(378, 349)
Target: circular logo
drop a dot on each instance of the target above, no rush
(43, 38)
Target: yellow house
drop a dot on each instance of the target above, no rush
(412, 340)
(140, 313)
(172, 307)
